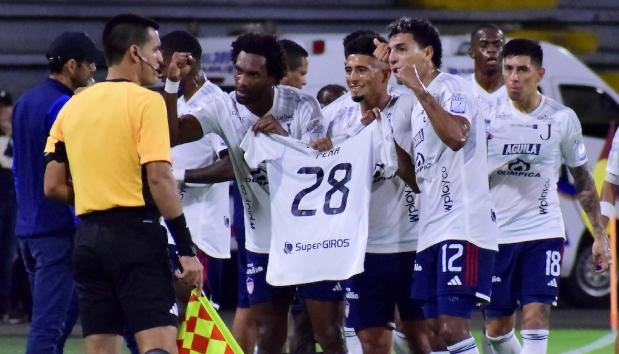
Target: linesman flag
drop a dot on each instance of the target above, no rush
(203, 331)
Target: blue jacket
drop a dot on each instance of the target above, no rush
(33, 116)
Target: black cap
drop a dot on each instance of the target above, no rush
(72, 45)
(5, 98)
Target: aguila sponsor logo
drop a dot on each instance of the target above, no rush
(521, 149)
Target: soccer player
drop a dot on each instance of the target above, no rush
(486, 51)
(44, 227)
(372, 296)
(206, 205)
(608, 198)
(261, 105)
(296, 64)
(8, 244)
(114, 136)
(531, 135)
(457, 235)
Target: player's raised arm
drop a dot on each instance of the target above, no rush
(453, 129)
(186, 128)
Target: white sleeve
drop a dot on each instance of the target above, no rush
(612, 178)
(572, 143)
(260, 148)
(217, 143)
(612, 167)
(207, 112)
(458, 101)
(311, 121)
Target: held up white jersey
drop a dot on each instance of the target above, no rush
(222, 116)
(455, 201)
(207, 206)
(394, 208)
(525, 153)
(319, 202)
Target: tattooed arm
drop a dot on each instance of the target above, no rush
(590, 203)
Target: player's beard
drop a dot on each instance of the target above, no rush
(358, 98)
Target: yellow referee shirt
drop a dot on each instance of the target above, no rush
(111, 130)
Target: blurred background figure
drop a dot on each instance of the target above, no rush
(296, 61)
(329, 94)
(8, 250)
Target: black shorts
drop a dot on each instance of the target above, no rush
(122, 272)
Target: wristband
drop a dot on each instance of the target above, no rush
(182, 238)
(179, 175)
(607, 209)
(171, 86)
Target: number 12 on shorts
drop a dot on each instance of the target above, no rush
(448, 263)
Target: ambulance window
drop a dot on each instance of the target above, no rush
(594, 107)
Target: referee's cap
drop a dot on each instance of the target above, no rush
(73, 45)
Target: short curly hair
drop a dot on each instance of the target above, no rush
(265, 45)
(423, 32)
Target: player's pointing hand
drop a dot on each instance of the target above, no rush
(382, 51)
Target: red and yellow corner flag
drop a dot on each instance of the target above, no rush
(203, 331)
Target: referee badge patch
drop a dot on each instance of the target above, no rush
(458, 104)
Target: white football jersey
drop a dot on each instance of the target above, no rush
(320, 202)
(455, 201)
(298, 113)
(206, 206)
(524, 157)
(394, 208)
(486, 100)
(223, 116)
(612, 167)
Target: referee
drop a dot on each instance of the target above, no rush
(114, 136)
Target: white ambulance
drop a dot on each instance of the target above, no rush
(567, 80)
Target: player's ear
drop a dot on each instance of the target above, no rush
(541, 72)
(134, 53)
(428, 53)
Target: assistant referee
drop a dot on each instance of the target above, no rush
(115, 138)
